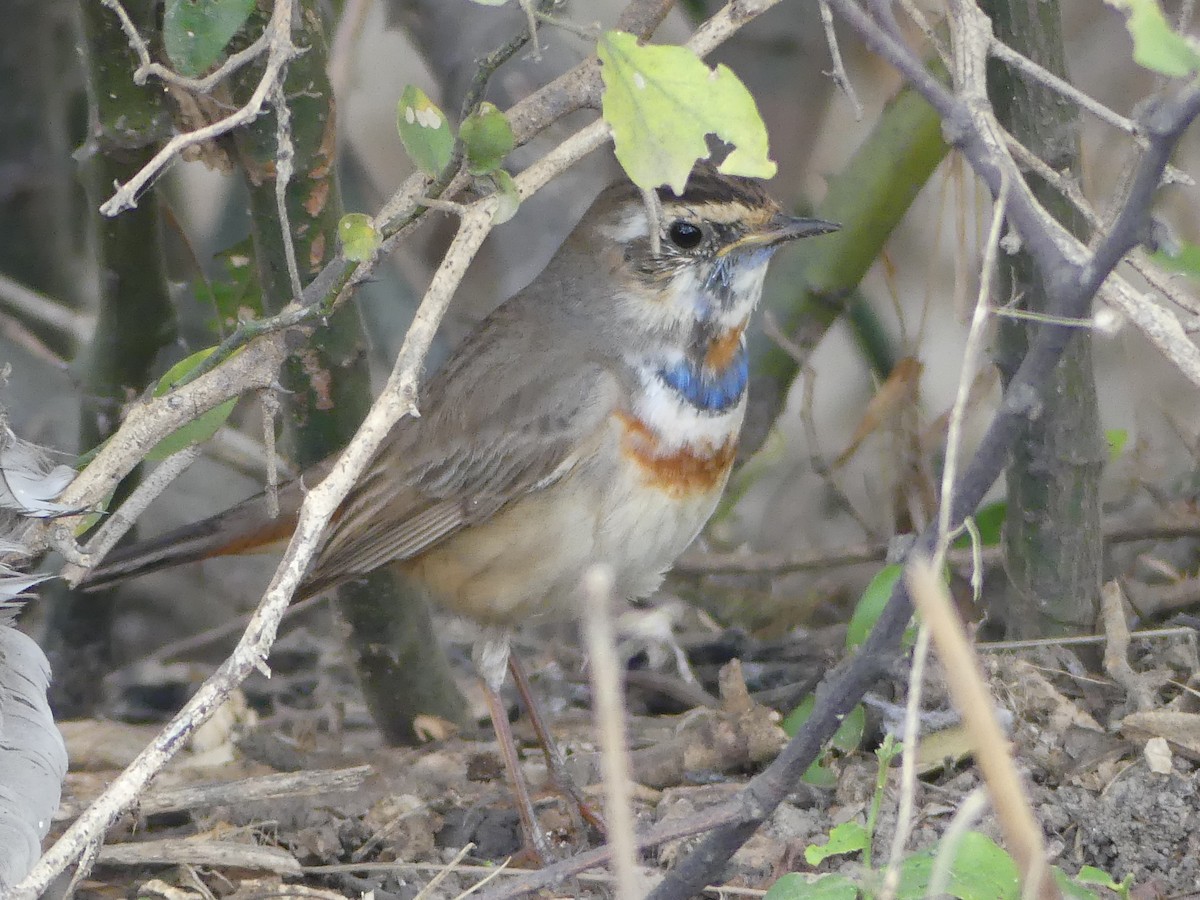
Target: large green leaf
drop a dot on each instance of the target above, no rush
(661, 102)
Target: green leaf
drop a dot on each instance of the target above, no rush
(849, 837)
(849, 735)
(358, 236)
(424, 131)
(1092, 875)
(487, 138)
(1071, 888)
(509, 200)
(794, 886)
(661, 102)
(1157, 46)
(1098, 877)
(236, 295)
(847, 739)
(198, 430)
(981, 870)
(1117, 438)
(870, 605)
(1186, 259)
(989, 520)
(196, 32)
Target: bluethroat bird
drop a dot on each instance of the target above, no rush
(591, 419)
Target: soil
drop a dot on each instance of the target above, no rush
(1114, 783)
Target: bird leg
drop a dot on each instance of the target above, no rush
(491, 655)
(554, 758)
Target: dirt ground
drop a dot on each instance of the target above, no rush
(289, 793)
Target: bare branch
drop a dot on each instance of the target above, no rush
(838, 73)
(280, 50)
(147, 67)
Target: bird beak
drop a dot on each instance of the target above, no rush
(780, 229)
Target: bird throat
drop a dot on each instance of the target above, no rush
(713, 375)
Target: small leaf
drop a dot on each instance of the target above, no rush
(849, 735)
(424, 131)
(1098, 877)
(196, 32)
(1117, 438)
(1157, 46)
(235, 293)
(508, 199)
(487, 138)
(849, 837)
(198, 430)
(870, 605)
(661, 102)
(1072, 889)
(847, 739)
(1185, 259)
(794, 886)
(358, 236)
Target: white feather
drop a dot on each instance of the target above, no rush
(678, 424)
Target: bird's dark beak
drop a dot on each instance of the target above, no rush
(780, 229)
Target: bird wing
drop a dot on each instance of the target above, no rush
(476, 452)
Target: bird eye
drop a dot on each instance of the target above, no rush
(685, 235)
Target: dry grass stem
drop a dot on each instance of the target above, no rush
(609, 711)
(988, 742)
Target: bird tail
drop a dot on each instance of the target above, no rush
(245, 528)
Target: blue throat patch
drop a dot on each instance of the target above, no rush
(704, 389)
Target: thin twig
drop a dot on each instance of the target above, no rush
(908, 766)
(971, 354)
(345, 40)
(269, 400)
(280, 50)
(838, 73)
(126, 517)
(45, 310)
(1001, 51)
(427, 891)
(147, 67)
(285, 158)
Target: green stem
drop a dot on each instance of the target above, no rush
(1052, 536)
(402, 667)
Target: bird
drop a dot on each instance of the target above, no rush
(591, 419)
